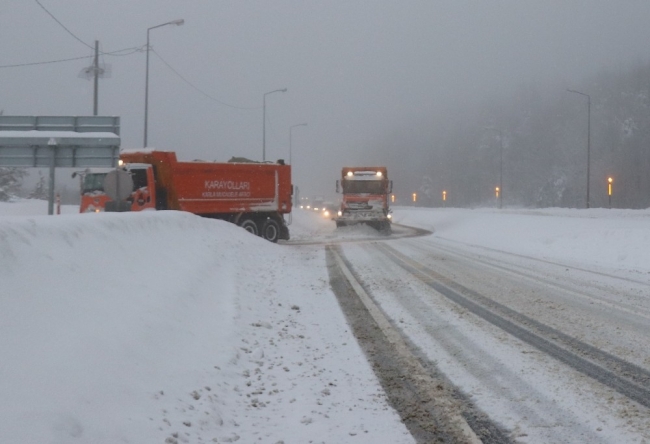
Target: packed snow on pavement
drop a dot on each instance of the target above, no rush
(166, 327)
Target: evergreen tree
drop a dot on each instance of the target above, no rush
(10, 181)
(40, 190)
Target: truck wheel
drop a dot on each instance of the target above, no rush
(271, 230)
(250, 226)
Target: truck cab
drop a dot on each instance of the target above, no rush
(94, 197)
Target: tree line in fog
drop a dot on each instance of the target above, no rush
(535, 143)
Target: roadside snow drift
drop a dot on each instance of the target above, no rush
(167, 327)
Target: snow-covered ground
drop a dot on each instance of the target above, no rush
(165, 327)
(612, 239)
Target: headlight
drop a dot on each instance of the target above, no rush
(390, 216)
(340, 213)
(326, 213)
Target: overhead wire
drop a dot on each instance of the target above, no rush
(132, 50)
(114, 53)
(62, 25)
(45, 63)
(200, 90)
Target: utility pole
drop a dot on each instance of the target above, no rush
(96, 73)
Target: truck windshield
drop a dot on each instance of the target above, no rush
(139, 177)
(364, 186)
(93, 182)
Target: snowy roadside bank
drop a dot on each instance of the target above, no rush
(166, 327)
(609, 239)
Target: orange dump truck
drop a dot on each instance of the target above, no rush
(253, 195)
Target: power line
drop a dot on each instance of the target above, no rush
(63, 26)
(136, 49)
(112, 53)
(45, 63)
(200, 90)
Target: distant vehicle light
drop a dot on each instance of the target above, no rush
(390, 216)
(315, 208)
(308, 206)
(302, 206)
(379, 173)
(326, 213)
(350, 174)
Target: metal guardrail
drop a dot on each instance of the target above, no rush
(59, 141)
(79, 124)
(73, 141)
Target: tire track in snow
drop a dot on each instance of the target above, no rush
(429, 407)
(628, 379)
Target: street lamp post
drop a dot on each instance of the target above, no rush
(264, 121)
(178, 22)
(290, 130)
(588, 134)
(500, 187)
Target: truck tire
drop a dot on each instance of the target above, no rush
(271, 230)
(385, 228)
(250, 226)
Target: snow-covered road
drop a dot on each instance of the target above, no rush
(165, 327)
(540, 319)
(517, 383)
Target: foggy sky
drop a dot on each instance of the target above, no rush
(357, 72)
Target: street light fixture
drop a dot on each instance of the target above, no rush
(588, 134)
(610, 181)
(178, 22)
(264, 121)
(290, 130)
(500, 187)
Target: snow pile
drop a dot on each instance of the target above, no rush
(601, 238)
(167, 327)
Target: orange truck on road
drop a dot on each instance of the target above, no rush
(364, 199)
(253, 195)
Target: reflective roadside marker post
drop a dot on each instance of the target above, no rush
(415, 197)
(610, 180)
(392, 198)
(496, 190)
(444, 198)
